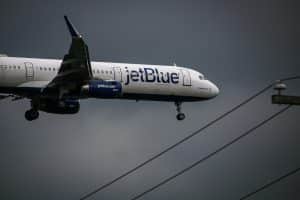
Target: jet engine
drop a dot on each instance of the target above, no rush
(67, 106)
(102, 89)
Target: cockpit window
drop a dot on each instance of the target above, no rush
(201, 77)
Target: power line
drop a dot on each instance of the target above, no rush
(184, 139)
(270, 184)
(177, 143)
(290, 78)
(210, 155)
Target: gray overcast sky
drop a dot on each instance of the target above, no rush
(239, 45)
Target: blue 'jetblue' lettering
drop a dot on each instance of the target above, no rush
(174, 78)
(134, 76)
(150, 75)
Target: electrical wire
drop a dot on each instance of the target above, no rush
(290, 78)
(270, 184)
(177, 143)
(184, 139)
(211, 154)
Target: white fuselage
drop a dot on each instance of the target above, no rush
(138, 80)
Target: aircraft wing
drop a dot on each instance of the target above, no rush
(75, 68)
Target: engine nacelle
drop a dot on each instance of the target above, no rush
(102, 89)
(60, 107)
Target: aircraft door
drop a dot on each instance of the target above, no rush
(186, 77)
(29, 71)
(118, 74)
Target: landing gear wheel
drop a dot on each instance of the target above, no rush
(31, 114)
(180, 116)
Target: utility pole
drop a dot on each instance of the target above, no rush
(284, 99)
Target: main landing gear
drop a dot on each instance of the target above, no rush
(33, 113)
(180, 116)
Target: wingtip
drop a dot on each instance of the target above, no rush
(72, 29)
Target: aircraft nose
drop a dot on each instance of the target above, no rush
(214, 90)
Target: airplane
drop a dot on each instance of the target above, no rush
(57, 86)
